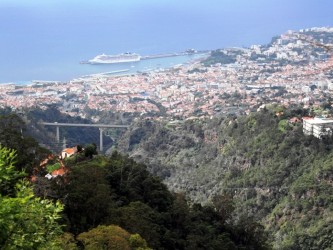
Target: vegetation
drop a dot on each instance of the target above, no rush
(111, 237)
(231, 174)
(70, 136)
(104, 198)
(119, 191)
(26, 221)
(90, 150)
(51, 168)
(274, 173)
(196, 70)
(14, 135)
(218, 56)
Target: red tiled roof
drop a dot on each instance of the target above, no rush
(294, 120)
(60, 171)
(69, 150)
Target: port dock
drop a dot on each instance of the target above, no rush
(185, 53)
(163, 55)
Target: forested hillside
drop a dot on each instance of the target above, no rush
(108, 203)
(29, 121)
(242, 170)
(274, 173)
(15, 135)
(69, 136)
(116, 190)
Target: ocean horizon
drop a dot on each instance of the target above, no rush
(47, 40)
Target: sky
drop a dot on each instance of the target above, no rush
(228, 22)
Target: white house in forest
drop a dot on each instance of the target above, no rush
(318, 127)
(67, 152)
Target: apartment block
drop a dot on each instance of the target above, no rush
(318, 127)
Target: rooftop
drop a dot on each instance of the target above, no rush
(317, 120)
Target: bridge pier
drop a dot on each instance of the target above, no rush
(101, 128)
(101, 139)
(58, 135)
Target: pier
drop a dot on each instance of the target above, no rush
(185, 53)
(163, 55)
(106, 74)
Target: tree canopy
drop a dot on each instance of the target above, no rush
(26, 221)
(116, 190)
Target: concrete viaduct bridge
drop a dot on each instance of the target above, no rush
(101, 128)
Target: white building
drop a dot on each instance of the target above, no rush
(318, 127)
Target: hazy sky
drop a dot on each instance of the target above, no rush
(234, 21)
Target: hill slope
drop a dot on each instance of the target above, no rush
(273, 171)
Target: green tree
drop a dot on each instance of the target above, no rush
(67, 241)
(86, 195)
(26, 221)
(224, 206)
(111, 238)
(13, 134)
(90, 150)
(8, 175)
(132, 182)
(140, 218)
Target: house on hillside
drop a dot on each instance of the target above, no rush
(294, 120)
(59, 172)
(44, 162)
(318, 127)
(68, 152)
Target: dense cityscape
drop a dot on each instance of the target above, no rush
(294, 69)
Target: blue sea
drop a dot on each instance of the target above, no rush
(46, 40)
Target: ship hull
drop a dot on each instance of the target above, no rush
(112, 61)
(109, 59)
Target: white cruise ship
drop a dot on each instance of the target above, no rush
(121, 58)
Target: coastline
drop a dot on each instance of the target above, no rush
(154, 62)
